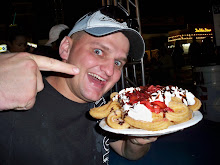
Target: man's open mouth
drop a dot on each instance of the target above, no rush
(97, 77)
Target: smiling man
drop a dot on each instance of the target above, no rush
(100, 60)
(58, 129)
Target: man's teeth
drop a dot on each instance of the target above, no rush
(97, 76)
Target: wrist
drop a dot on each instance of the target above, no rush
(139, 142)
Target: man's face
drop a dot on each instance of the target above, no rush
(100, 60)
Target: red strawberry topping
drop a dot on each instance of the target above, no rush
(143, 96)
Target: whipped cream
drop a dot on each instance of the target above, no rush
(165, 94)
(139, 111)
(136, 111)
(121, 94)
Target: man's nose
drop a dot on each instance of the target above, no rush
(108, 67)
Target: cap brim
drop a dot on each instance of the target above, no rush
(137, 46)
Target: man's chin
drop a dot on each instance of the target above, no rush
(93, 97)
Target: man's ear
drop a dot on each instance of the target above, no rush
(65, 47)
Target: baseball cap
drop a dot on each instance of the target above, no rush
(55, 32)
(108, 20)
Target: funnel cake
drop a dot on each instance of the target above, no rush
(150, 108)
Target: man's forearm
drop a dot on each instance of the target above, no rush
(133, 150)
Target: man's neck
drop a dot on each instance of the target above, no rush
(59, 83)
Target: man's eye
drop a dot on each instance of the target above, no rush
(118, 63)
(98, 51)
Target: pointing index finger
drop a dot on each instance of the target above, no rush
(50, 64)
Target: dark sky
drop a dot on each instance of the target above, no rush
(191, 9)
(195, 11)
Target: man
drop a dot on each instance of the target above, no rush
(57, 129)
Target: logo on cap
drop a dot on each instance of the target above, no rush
(105, 18)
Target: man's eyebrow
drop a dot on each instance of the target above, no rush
(124, 59)
(101, 45)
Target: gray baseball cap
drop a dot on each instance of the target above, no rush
(99, 24)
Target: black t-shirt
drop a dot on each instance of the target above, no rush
(55, 131)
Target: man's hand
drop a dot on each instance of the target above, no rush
(136, 147)
(133, 148)
(20, 78)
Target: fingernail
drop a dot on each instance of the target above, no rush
(76, 70)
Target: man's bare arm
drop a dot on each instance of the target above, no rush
(133, 148)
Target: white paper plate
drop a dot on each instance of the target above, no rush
(197, 116)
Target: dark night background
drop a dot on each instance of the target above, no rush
(38, 16)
